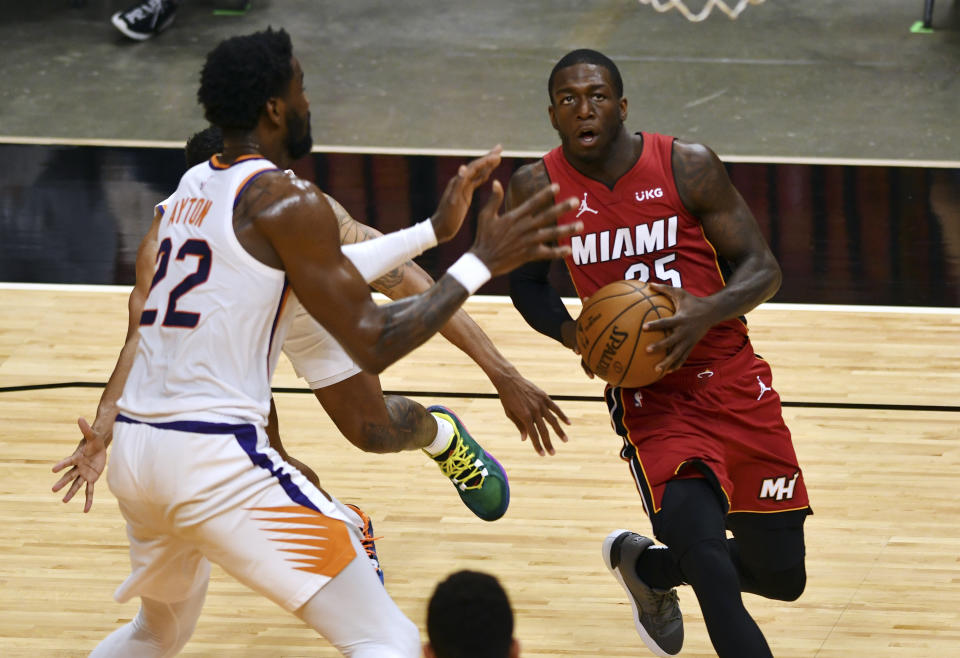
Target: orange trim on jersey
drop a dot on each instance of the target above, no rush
(217, 163)
(716, 264)
(767, 511)
(715, 478)
(243, 184)
(322, 541)
(716, 259)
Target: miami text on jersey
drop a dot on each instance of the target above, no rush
(627, 241)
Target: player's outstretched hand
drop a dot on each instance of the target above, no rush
(86, 465)
(526, 233)
(531, 410)
(458, 194)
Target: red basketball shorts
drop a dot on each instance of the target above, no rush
(724, 423)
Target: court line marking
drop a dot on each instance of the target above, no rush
(472, 153)
(493, 396)
(569, 301)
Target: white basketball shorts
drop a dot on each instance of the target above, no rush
(194, 491)
(316, 355)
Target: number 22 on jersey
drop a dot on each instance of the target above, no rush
(172, 317)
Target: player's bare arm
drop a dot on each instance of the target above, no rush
(731, 228)
(524, 403)
(88, 459)
(286, 222)
(273, 434)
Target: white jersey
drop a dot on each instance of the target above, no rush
(214, 320)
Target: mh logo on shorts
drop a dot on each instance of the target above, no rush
(778, 488)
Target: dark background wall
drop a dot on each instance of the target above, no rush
(844, 234)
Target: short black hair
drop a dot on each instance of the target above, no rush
(203, 145)
(469, 616)
(587, 56)
(241, 74)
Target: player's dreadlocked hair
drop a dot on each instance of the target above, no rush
(587, 56)
(241, 74)
(469, 616)
(203, 145)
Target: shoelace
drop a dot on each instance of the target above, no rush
(142, 12)
(461, 466)
(367, 543)
(668, 607)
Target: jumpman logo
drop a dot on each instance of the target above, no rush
(763, 387)
(585, 208)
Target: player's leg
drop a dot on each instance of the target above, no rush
(377, 423)
(160, 629)
(374, 422)
(356, 615)
(168, 575)
(691, 524)
(272, 530)
(770, 499)
(769, 552)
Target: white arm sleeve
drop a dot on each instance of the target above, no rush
(376, 257)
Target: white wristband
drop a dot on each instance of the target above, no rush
(374, 258)
(470, 272)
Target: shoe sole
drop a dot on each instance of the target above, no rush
(641, 631)
(506, 480)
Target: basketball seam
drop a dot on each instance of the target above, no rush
(640, 287)
(607, 326)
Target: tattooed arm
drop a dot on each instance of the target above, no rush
(288, 224)
(728, 224)
(524, 403)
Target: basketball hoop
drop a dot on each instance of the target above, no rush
(731, 12)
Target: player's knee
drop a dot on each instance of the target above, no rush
(377, 440)
(408, 642)
(708, 561)
(156, 628)
(786, 585)
(403, 642)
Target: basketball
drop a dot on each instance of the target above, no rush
(610, 336)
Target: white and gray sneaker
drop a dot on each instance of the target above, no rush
(656, 613)
(145, 19)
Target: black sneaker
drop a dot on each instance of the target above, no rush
(656, 613)
(145, 19)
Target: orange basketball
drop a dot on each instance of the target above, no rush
(610, 335)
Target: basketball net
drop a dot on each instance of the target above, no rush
(731, 12)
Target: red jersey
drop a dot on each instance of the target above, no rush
(641, 230)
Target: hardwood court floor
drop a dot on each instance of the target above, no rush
(883, 546)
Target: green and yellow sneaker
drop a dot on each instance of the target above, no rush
(479, 478)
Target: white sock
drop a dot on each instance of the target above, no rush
(444, 436)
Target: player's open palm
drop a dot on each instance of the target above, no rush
(531, 410)
(86, 465)
(526, 233)
(458, 194)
